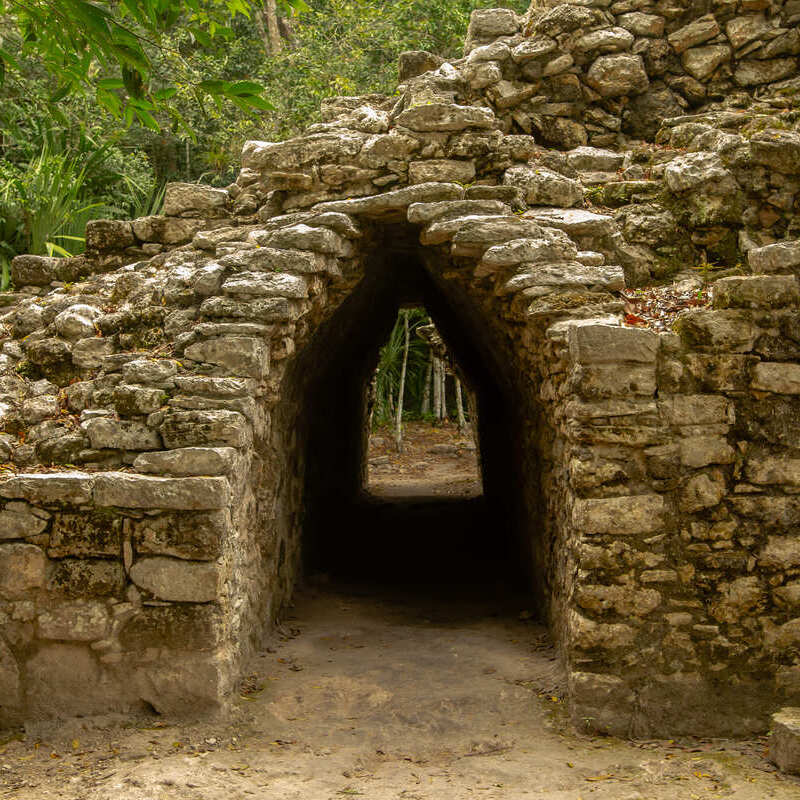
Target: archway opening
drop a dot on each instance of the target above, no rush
(350, 532)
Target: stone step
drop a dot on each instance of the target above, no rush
(577, 222)
(595, 159)
(784, 743)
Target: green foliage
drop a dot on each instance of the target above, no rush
(111, 50)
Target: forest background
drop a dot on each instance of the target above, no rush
(103, 102)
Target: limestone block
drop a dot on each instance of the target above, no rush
(186, 685)
(36, 409)
(22, 570)
(412, 63)
(625, 600)
(620, 516)
(175, 580)
(267, 310)
(49, 351)
(490, 23)
(20, 523)
(187, 461)
(80, 578)
(778, 150)
(342, 224)
(742, 30)
(730, 330)
(205, 429)
(176, 627)
(608, 380)
(397, 200)
(541, 278)
(150, 371)
(641, 24)
(754, 72)
(76, 621)
(700, 62)
(756, 291)
(424, 213)
(108, 235)
(89, 353)
(788, 595)
(595, 159)
(576, 222)
(738, 599)
(778, 469)
(531, 250)
(618, 75)
(380, 150)
(77, 321)
(778, 257)
(605, 702)
(195, 536)
(700, 451)
(441, 169)
(304, 237)
(86, 534)
(216, 387)
(64, 679)
(240, 355)
(168, 230)
(264, 284)
(445, 117)
(784, 742)
(696, 409)
(544, 187)
(483, 75)
(137, 400)
(272, 259)
(195, 200)
(696, 32)
(702, 491)
(138, 491)
(777, 377)
(585, 634)
(608, 40)
(603, 344)
(40, 270)
(74, 488)
(104, 432)
(477, 235)
(329, 147)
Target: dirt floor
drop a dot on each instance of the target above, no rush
(388, 693)
(436, 460)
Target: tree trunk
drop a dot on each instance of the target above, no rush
(462, 420)
(437, 389)
(426, 389)
(398, 424)
(443, 390)
(273, 32)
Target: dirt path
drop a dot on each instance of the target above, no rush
(384, 697)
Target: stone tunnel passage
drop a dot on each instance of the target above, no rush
(353, 533)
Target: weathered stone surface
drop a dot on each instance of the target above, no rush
(620, 515)
(544, 187)
(261, 284)
(738, 599)
(778, 257)
(424, 213)
(240, 355)
(94, 534)
(193, 199)
(700, 62)
(769, 469)
(627, 601)
(784, 742)
(41, 270)
(79, 578)
(121, 434)
(137, 400)
(397, 200)
(9, 682)
(445, 117)
(756, 291)
(188, 461)
(175, 580)
(700, 451)
(595, 159)
(77, 322)
(696, 32)
(776, 377)
(441, 169)
(574, 221)
(76, 621)
(616, 75)
(139, 491)
(89, 353)
(755, 73)
(150, 371)
(74, 488)
(702, 491)
(20, 523)
(204, 429)
(179, 627)
(22, 570)
(599, 344)
(779, 150)
(194, 536)
(587, 635)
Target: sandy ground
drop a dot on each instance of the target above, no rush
(386, 693)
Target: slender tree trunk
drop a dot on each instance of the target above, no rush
(426, 389)
(389, 402)
(437, 389)
(398, 424)
(443, 390)
(462, 420)
(273, 32)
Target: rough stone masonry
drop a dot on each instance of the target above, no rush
(153, 392)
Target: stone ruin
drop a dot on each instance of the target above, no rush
(184, 401)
